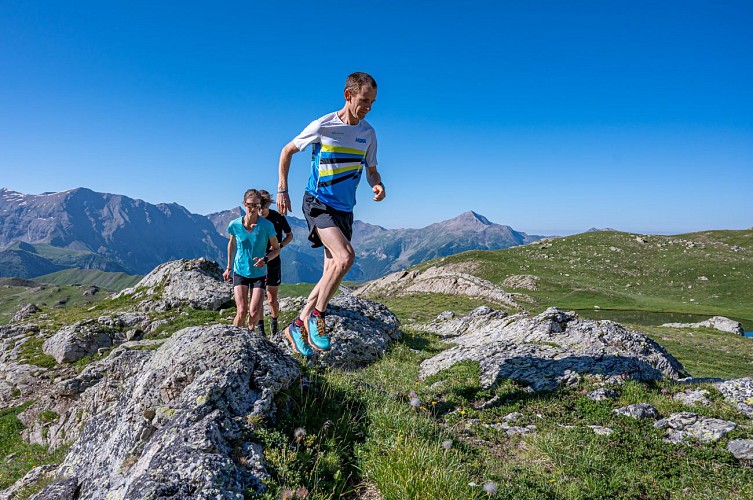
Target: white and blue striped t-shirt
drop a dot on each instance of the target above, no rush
(339, 154)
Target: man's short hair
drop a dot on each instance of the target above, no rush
(266, 198)
(358, 80)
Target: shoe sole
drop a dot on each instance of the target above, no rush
(292, 343)
(308, 339)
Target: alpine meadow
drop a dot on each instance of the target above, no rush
(395, 426)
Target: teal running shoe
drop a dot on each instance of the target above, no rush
(297, 342)
(317, 332)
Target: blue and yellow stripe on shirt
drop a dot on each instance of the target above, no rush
(336, 171)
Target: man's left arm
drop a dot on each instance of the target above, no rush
(288, 238)
(375, 181)
(287, 231)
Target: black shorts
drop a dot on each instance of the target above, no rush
(320, 215)
(274, 272)
(260, 282)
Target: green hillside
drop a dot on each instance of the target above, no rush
(29, 261)
(14, 293)
(108, 280)
(707, 273)
(55, 254)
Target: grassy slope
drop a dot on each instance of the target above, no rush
(113, 282)
(363, 425)
(63, 288)
(44, 296)
(49, 251)
(361, 428)
(615, 271)
(62, 256)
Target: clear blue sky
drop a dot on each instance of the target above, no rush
(551, 117)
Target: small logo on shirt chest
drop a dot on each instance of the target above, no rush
(362, 141)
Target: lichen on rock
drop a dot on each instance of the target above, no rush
(553, 349)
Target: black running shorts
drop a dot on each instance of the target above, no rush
(322, 216)
(274, 272)
(239, 280)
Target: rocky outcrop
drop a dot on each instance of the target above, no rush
(176, 421)
(361, 330)
(32, 478)
(738, 392)
(87, 337)
(165, 417)
(742, 449)
(25, 312)
(195, 283)
(437, 280)
(448, 325)
(522, 281)
(555, 348)
(686, 427)
(638, 411)
(18, 379)
(77, 341)
(691, 397)
(717, 323)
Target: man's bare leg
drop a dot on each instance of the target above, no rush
(272, 300)
(274, 306)
(338, 259)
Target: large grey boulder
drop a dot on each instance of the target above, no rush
(716, 322)
(86, 337)
(442, 279)
(555, 348)
(691, 397)
(448, 325)
(195, 283)
(361, 330)
(177, 421)
(76, 341)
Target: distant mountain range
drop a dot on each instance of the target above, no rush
(41, 234)
(380, 251)
(81, 228)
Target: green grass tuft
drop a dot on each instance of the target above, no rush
(16, 456)
(31, 352)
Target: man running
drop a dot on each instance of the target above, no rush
(274, 266)
(343, 144)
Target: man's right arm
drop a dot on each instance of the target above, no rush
(283, 198)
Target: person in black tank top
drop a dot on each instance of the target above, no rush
(274, 266)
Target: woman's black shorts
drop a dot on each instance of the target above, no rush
(260, 282)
